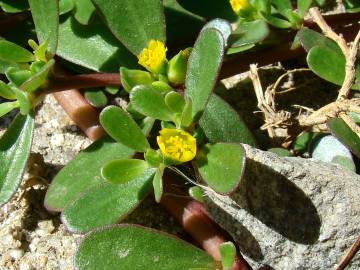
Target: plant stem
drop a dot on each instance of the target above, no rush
(66, 82)
(81, 112)
(194, 218)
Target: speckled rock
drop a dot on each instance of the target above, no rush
(291, 213)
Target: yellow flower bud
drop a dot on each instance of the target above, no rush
(153, 58)
(177, 144)
(238, 5)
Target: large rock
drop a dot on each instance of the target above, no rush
(291, 213)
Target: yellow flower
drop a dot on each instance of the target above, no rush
(176, 144)
(153, 58)
(238, 5)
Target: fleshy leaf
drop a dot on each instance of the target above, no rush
(11, 6)
(122, 128)
(222, 172)
(6, 91)
(175, 101)
(66, 6)
(329, 65)
(11, 52)
(6, 107)
(15, 147)
(137, 248)
(158, 183)
(221, 123)
(139, 22)
(228, 253)
(93, 47)
(84, 10)
(110, 202)
(83, 172)
(345, 134)
(150, 102)
(203, 68)
(96, 97)
(39, 78)
(45, 14)
(249, 33)
(133, 77)
(121, 171)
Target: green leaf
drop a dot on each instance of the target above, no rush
(329, 65)
(137, 248)
(17, 76)
(24, 100)
(282, 6)
(121, 171)
(355, 117)
(6, 91)
(221, 123)
(66, 6)
(224, 27)
(83, 172)
(310, 38)
(7, 107)
(345, 134)
(140, 21)
(227, 253)
(45, 14)
(302, 141)
(344, 162)
(175, 101)
(146, 124)
(133, 77)
(222, 173)
(203, 68)
(303, 7)
(106, 204)
(112, 90)
(39, 78)
(84, 10)
(11, 52)
(277, 22)
(186, 116)
(158, 183)
(92, 46)
(96, 97)
(210, 9)
(5, 65)
(15, 147)
(282, 152)
(150, 102)
(122, 128)
(11, 6)
(249, 33)
(196, 193)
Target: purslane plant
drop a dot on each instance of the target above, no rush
(172, 117)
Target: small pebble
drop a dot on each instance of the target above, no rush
(24, 266)
(16, 253)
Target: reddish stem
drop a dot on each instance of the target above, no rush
(65, 82)
(195, 220)
(81, 112)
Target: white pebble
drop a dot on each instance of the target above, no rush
(16, 253)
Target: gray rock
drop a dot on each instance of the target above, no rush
(291, 213)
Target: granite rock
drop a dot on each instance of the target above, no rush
(291, 213)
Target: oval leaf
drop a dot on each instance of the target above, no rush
(122, 128)
(221, 123)
(150, 102)
(158, 184)
(134, 23)
(93, 47)
(203, 68)
(122, 171)
(12, 52)
(6, 107)
(96, 97)
(45, 14)
(84, 11)
(39, 78)
(329, 65)
(83, 172)
(15, 147)
(221, 172)
(345, 134)
(138, 248)
(106, 204)
(228, 253)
